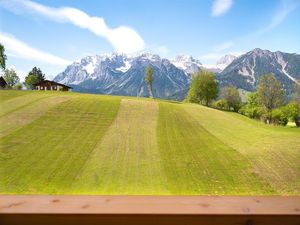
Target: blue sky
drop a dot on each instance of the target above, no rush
(52, 34)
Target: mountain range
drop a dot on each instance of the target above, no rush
(121, 74)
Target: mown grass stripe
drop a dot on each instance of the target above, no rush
(9, 94)
(127, 160)
(272, 151)
(17, 103)
(28, 113)
(46, 155)
(196, 162)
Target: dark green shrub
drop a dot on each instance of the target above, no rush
(280, 116)
(254, 112)
(221, 104)
(293, 111)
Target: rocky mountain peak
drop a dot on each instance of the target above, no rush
(226, 59)
(122, 74)
(187, 63)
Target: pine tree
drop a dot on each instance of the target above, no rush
(34, 76)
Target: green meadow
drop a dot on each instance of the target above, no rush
(71, 143)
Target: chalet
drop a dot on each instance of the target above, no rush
(47, 85)
(3, 83)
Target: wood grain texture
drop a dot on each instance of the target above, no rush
(150, 205)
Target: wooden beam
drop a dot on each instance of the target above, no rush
(148, 210)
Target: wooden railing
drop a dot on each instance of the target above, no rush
(144, 210)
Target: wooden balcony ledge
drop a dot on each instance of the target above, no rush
(143, 210)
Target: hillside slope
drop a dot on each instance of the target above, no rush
(69, 143)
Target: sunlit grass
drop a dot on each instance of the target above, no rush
(70, 143)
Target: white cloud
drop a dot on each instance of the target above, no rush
(211, 56)
(220, 7)
(123, 38)
(285, 8)
(17, 48)
(223, 46)
(163, 50)
(218, 51)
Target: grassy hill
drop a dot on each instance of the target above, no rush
(69, 143)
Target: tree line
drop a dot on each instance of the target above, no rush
(11, 77)
(268, 103)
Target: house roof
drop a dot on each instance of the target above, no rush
(51, 82)
(2, 81)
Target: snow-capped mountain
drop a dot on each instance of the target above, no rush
(104, 68)
(187, 63)
(224, 61)
(246, 70)
(120, 74)
(221, 64)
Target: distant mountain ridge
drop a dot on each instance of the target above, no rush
(121, 74)
(245, 71)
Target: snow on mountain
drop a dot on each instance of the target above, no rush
(224, 61)
(124, 75)
(121, 74)
(283, 65)
(90, 67)
(187, 63)
(246, 70)
(126, 67)
(221, 64)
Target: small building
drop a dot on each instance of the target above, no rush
(3, 83)
(47, 85)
